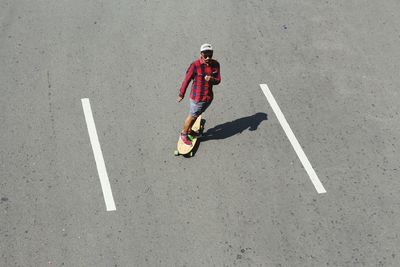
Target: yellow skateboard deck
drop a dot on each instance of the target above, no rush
(182, 148)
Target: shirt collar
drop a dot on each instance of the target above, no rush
(202, 61)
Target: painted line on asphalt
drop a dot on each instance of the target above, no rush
(292, 138)
(98, 155)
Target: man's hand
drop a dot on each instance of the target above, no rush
(179, 99)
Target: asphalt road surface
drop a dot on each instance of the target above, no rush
(245, 198)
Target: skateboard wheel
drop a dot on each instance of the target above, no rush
(176, 153)
(191, 154)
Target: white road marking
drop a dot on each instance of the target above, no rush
(299, 151)
(98, 155)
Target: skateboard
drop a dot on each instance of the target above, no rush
(182, 148)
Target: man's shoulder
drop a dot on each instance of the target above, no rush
(196, 62)
(214, 62)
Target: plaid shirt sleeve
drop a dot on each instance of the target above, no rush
(189, 76)
(216, 75)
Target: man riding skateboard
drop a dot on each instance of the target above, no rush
(205, 72)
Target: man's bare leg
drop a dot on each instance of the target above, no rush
(188, 124)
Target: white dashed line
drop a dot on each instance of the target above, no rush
(98, 155)
(299, 151)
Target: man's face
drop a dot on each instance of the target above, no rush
(207, 55)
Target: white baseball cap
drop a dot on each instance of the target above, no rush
(206, 47)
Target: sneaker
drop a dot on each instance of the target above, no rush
(185, 139)
(195, 134)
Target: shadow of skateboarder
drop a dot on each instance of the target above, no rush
(231, 128)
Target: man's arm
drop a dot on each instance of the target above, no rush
(186, 81)
(216, 76)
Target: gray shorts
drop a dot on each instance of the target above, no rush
(197, 108)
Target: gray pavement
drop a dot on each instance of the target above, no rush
(244, 199)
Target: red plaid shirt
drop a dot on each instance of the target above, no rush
(201, 89)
